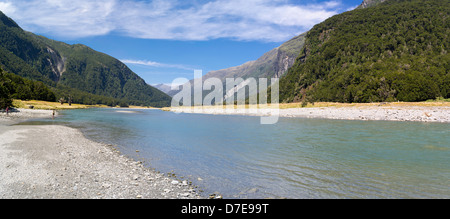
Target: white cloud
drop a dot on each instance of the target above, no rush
(265, 20)
(7, 7)
(155, 64)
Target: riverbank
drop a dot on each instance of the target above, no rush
(56, 162)
(18, 115)
(417, 112)
(45, 105)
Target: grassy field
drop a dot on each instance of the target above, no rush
(392, 104)
(50, 105)
(432, 103)
(57, 106)
(44, 105)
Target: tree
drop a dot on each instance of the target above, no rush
(123, 104)
(70, 100)
(62, 100)
(5, 98)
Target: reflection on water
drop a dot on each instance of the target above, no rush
(296, 158)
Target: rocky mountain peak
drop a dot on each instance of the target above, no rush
(370, 3)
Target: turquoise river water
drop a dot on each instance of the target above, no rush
(296, 158)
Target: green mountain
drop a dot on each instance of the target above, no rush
(74, 70)
(272, 64)
(396, 50)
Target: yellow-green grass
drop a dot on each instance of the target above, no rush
(44, 105)
(329, 104)
(388, 104)
(57, 106)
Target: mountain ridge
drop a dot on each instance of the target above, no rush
(71, 68)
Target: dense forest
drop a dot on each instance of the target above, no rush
(396, 51)
(16, 87)
(90, 77)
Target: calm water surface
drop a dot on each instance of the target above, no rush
(296, 158)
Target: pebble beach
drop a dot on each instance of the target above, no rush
(402, 113)
(58, 162)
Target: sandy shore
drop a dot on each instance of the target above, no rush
(375, 113)
(59, 162)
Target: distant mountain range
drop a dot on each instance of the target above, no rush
(273, 64)
(164, 88)
(78, 71)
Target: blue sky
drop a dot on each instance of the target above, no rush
(162, 40)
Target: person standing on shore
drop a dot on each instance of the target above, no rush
(53, 115)
(7, 110)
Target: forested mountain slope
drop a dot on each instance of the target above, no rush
(74, 69)
(396, 50)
